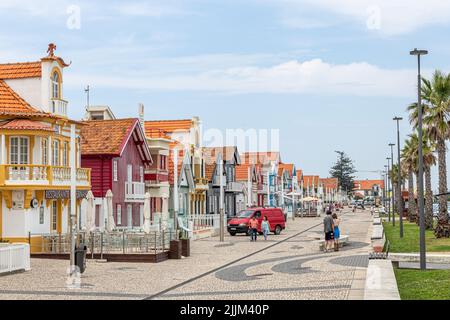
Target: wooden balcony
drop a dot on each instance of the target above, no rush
(134, 191)
(25, 175)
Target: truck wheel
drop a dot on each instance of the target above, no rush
(278, 230)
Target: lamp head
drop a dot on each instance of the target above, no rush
(417, 52)
(391, 144)
(397, 119)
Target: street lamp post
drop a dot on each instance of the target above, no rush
(399, 179)
(389, 186)
(423, 263)
(392, 183)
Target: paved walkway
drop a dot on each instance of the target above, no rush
(286, 267)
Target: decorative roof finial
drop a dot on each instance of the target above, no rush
(51, 49)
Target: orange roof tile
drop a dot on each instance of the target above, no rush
(242, 172)
(309, 181)
(368, 184)
(172, 163)
(105, 136)
(169, 126)
(20, 70)
(330, 183)
(289, 167)
(263, 158)
(11, 102)
(25, 124)
(157, 133)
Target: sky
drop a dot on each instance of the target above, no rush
(329, 75)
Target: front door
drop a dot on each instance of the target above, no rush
(55, 219)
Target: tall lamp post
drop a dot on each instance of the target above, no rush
(423, 262)
(399, 179)
(392, 183)
(389, 186)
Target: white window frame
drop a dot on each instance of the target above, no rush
(115, 171)
(119, 214)
(20, 143)
(56, 85)
(55, 153)
(130, 216)
(129, 172)
(44, 151)
(141, 173)
(65, 159)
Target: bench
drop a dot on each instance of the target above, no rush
(381, 283)
(377, 221)
(377, 232)
(433, 258)
(343, 241)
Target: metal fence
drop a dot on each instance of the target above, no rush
(121, 242)
(14, 257)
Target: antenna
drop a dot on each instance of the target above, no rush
(87, 91)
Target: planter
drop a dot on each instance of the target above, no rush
(175, 249)
(185, 247)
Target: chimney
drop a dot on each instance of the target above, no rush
(141, 115)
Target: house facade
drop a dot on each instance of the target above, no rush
(35, 152)
(230, 158)
(247, 174)
(369, 188)
(118, 155)
(187, 133)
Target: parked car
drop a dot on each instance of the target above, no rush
(241, 222)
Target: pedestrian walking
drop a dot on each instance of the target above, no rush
(328, 228)
(337, 231)
(265, 226)
(253, 224)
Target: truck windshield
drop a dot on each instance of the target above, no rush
(245, 214)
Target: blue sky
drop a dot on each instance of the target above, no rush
(329, 74)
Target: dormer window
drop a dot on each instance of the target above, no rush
(56, 85)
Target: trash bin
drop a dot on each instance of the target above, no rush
(80, 257)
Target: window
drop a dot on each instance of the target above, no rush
(18, 150)
(55, 158)
(141, 215)
(44, 151)
(56, 85)
(54, 216)
(163, 163)
(130, 173)
(141, 173)
(130, 216)
(65, 154)
(115, 173)
(119, 214)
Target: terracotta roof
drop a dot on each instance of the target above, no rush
(169, 126)
(308, 181)
(26, 124)
(263, 158)
(105, 136)
(368, 184)
(20, 70)
(11, 102)
(330, 183)
(289, 167)
(156, 133)
(242, 171)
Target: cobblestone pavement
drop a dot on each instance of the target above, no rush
(285, 267)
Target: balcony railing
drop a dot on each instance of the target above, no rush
(13, 174)
(134, 191)
(234, 187)
(59, 107)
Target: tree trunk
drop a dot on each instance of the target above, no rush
(399, 200)
(411, 200)
(428, 199)
(442, 167)
(417, 203)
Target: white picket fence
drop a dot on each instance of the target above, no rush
(14, 257)
(205, 221)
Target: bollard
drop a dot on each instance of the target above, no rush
(123, 242)
(101, 245)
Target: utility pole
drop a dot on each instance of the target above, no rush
(389, 186)
(87, 91)
(221, 204)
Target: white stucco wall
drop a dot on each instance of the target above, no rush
(29, 89)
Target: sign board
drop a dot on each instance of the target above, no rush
(64, 194)
(18, 198)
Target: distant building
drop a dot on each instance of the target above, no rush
(99, 113)
(368, 188)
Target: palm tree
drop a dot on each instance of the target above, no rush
(436, 95)
(394, 177)
(429, 160)
(408, 163)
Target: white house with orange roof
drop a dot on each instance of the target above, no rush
(35, 138)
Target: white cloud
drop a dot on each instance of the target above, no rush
(150, 9)
(396, 17)
(310, 77)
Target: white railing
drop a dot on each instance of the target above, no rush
(134, 191)
(205, 221)
(14, 257)
(59, 107)
(61, 175)
(235, 187)
(25, 172)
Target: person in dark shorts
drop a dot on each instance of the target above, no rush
(328, 228)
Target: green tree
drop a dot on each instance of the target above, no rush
(436, 118)
(344, 170)
(408, 161)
